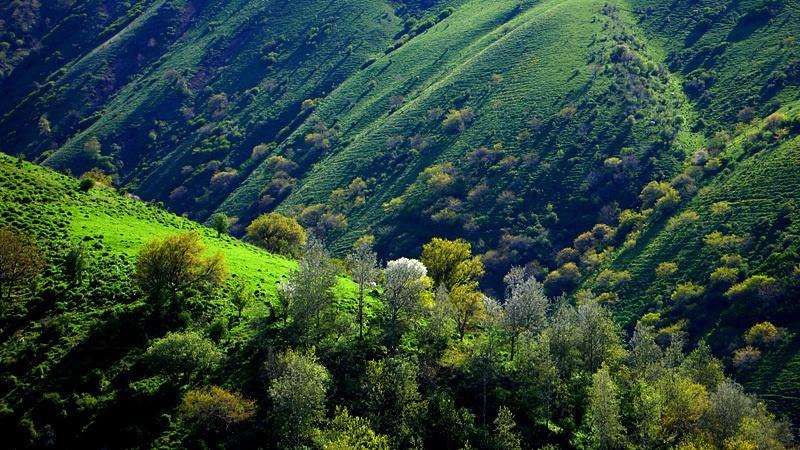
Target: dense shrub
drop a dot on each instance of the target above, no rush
(277, 233)
(762, 333)
(609, 279)
(724, 276)
(686, 292)
(213, 409)
(756, 287)
(563, 279)
(20, 261)
(666, 269)
(659, 195)
(457, 120)
(173, 266)
(182, 356)
(744, 358)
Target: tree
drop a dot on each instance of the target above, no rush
(182, 356)
(468, 305)
(762, 333)
(45, 129)
(363, 268)
(451, 262)
(346, 432)
(220, 222)
(173, 266)
(309, 289)
(241, 297)
(728, 405)
(75, 262)
(525, 307)
(583, 337)
(603, 413)
(20, 261)
(405, 281)
(645, 356)
(298, 396)
(505, 435)
(214, 409)
(277, 233)
(392, 399)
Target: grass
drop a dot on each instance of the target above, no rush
(762, 187)
(50, 206)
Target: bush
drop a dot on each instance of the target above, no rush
(563, 279)
(259, 151)
(457, 120)
(20, 261)
(629, 220)
(666, 269)
(277, 233)
(724, 242)
(757, 287)
(660, 195)
(744, 358)
(215, 409)
(683, 219)
(566, 255)
(720, 208)
(763, 333)
(609, 279)
(85, 184)
(182, 356)
(724, 276)
(774, 121)
(99, 177)
(686, 292)
(169, 267)
(733, 261)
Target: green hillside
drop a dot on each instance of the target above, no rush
(635, 158)
(190, 102)
(742, 223)
(75, 344)
(92, 358)
(56, 212)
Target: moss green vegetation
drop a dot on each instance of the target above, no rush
(93, 326)
(551, 114)
(97, 354)
(734, 245)
(639, 154)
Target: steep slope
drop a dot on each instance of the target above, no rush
(552, 91)
(727, 259)
(50, 207)
(189, 83)
(69, 352)
(516, 124)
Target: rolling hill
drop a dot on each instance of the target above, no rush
(86, 337)
(643, 150)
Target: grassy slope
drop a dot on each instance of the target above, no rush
(740, 43)
(50, 207)
(129, 82)
(69, 346)
(542, 52)
(762, 186)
